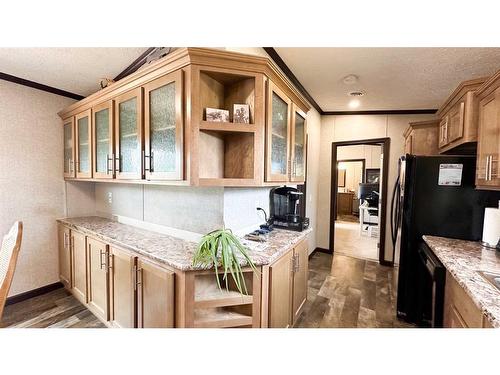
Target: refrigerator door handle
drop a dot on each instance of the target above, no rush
(395, 212)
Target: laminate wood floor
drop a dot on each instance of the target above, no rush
(349, 293)
(56, 309)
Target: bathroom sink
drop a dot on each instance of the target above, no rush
(492, 278)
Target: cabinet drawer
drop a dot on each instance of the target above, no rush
(463, 304)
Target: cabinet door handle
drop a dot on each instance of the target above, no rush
(108, 164)
(148, 161)
(117, 163)
(297, 265)
(488, 167)
(101, 253)
(137, 277)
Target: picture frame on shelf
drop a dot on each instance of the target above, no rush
(216, 115)
(241, 113)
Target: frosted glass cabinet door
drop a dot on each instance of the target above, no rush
(163, 128)
(298, 145)
(103, 140)
(128, 159)
(69, 147)
(83, 149)
(278, 135)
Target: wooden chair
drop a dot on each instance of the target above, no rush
(9, 251)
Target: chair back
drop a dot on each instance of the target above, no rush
(9, 251)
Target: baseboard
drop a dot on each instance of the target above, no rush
(320, 250)
(33, 293)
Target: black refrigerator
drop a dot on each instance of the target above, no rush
(433, 195)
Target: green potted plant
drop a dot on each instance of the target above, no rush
(219, 248)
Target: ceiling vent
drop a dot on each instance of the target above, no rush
(356, 94)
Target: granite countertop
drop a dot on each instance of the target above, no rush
(462, 259)
(173, 251)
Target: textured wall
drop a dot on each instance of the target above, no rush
(350, 128)
(31, 182)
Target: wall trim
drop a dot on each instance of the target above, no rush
(33, 293)
(382, 112)
(39, 86)
(136, 64)
(282, 65)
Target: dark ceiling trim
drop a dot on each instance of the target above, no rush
(279, 61)
(39, 86)
(383, 112)
(136, 64)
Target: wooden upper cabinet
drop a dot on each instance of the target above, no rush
(69, 147)
(97, 280)
(122, 288)
(164, 128)
(155, 296)
(64, 237)
(458, 119)
(128, 135)
(456, 122)
(152, 125)
(443, 132)
(83, 130)
(102, 140)
(277, 135)
(421, 138)
(488, 151)
(298, 146)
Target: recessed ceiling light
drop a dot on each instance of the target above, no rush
(354, 103)
(350, 79)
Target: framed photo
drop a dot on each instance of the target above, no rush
(341, 178)
(372, 175)
(216, 115)
(241, 114)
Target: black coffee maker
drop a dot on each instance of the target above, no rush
(284, 207)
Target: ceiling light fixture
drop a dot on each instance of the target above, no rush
(350, 79)
(354, 103)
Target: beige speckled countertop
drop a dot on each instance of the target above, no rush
(172, 251)
(462, 259)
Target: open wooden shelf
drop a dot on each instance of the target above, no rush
(226, 154)
(220, 317)
(211, 296)
(228, 127)
(223, 89)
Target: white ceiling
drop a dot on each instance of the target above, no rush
(77, 70)
(393, 78)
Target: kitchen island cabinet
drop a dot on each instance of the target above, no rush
(127, 284)
(470, 301)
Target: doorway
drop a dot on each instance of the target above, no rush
(359, 198)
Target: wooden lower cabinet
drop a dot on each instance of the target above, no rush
(155, 295)
(122, 297)
(288, 287)
(460, 311)
(301, 255)
(125, 291)
(98, 281)
(280, 292)
(65, 258)
(79, 266)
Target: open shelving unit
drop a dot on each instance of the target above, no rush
(226, 307)
(229, 152)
